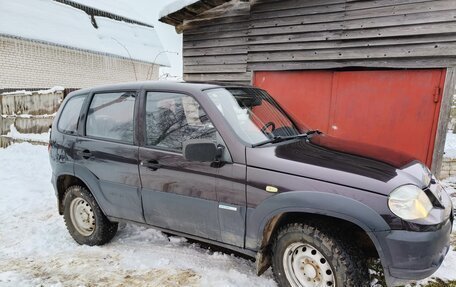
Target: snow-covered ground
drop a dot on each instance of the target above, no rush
(36, 249)
(450, 145)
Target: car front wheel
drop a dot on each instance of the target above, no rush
(84, 219)
(312, 256)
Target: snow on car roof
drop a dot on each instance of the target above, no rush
(52, 22)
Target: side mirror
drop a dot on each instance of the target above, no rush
(202, 150)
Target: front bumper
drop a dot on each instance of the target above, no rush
(416, 255)
(411, 255)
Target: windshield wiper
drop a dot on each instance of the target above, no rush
(277, 139)
(274, 139)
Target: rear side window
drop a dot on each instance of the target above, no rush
(111, 116)
(68, 122)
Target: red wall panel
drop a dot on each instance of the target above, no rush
(304, 95)
(396, 109)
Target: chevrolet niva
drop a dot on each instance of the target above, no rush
(226, 165)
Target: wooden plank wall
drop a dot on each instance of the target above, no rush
(215, 46)
(228, 44)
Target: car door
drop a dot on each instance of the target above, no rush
(64, 133)
(178, 194)
(107, 153)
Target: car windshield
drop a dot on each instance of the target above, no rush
(252, 113)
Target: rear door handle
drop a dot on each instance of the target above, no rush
(151, 164)
(86, 154)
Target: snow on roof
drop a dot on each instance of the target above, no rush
(53, 22)
(124, 8)
(175, 6)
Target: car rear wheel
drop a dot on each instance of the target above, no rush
(310, 256)
(84, 219)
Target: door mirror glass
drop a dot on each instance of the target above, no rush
(202, 150)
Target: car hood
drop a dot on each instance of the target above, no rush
(345, 163)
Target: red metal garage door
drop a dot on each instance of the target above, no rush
(397, 109)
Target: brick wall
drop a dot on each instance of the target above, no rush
(448, 168)
(26, 63)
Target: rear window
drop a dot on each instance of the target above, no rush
(68, 122)
(111, 116)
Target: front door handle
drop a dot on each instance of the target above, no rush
(151, 164)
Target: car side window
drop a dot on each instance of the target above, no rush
(173, 118)
(68, 121)
(111, 116)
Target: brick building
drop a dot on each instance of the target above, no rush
(60, 42)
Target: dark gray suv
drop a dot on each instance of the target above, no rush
(227, 166)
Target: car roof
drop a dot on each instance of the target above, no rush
(178, 86)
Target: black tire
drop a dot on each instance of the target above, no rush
(347, 264)
(102, 231)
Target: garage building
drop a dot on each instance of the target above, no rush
(380, 72)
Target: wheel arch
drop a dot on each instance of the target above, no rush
(317, 207)
(64, 181)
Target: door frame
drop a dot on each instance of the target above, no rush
(449, 89)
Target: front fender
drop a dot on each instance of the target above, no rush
(313, 202)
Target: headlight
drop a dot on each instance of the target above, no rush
(409, 202)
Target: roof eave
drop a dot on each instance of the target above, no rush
(190, 12)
